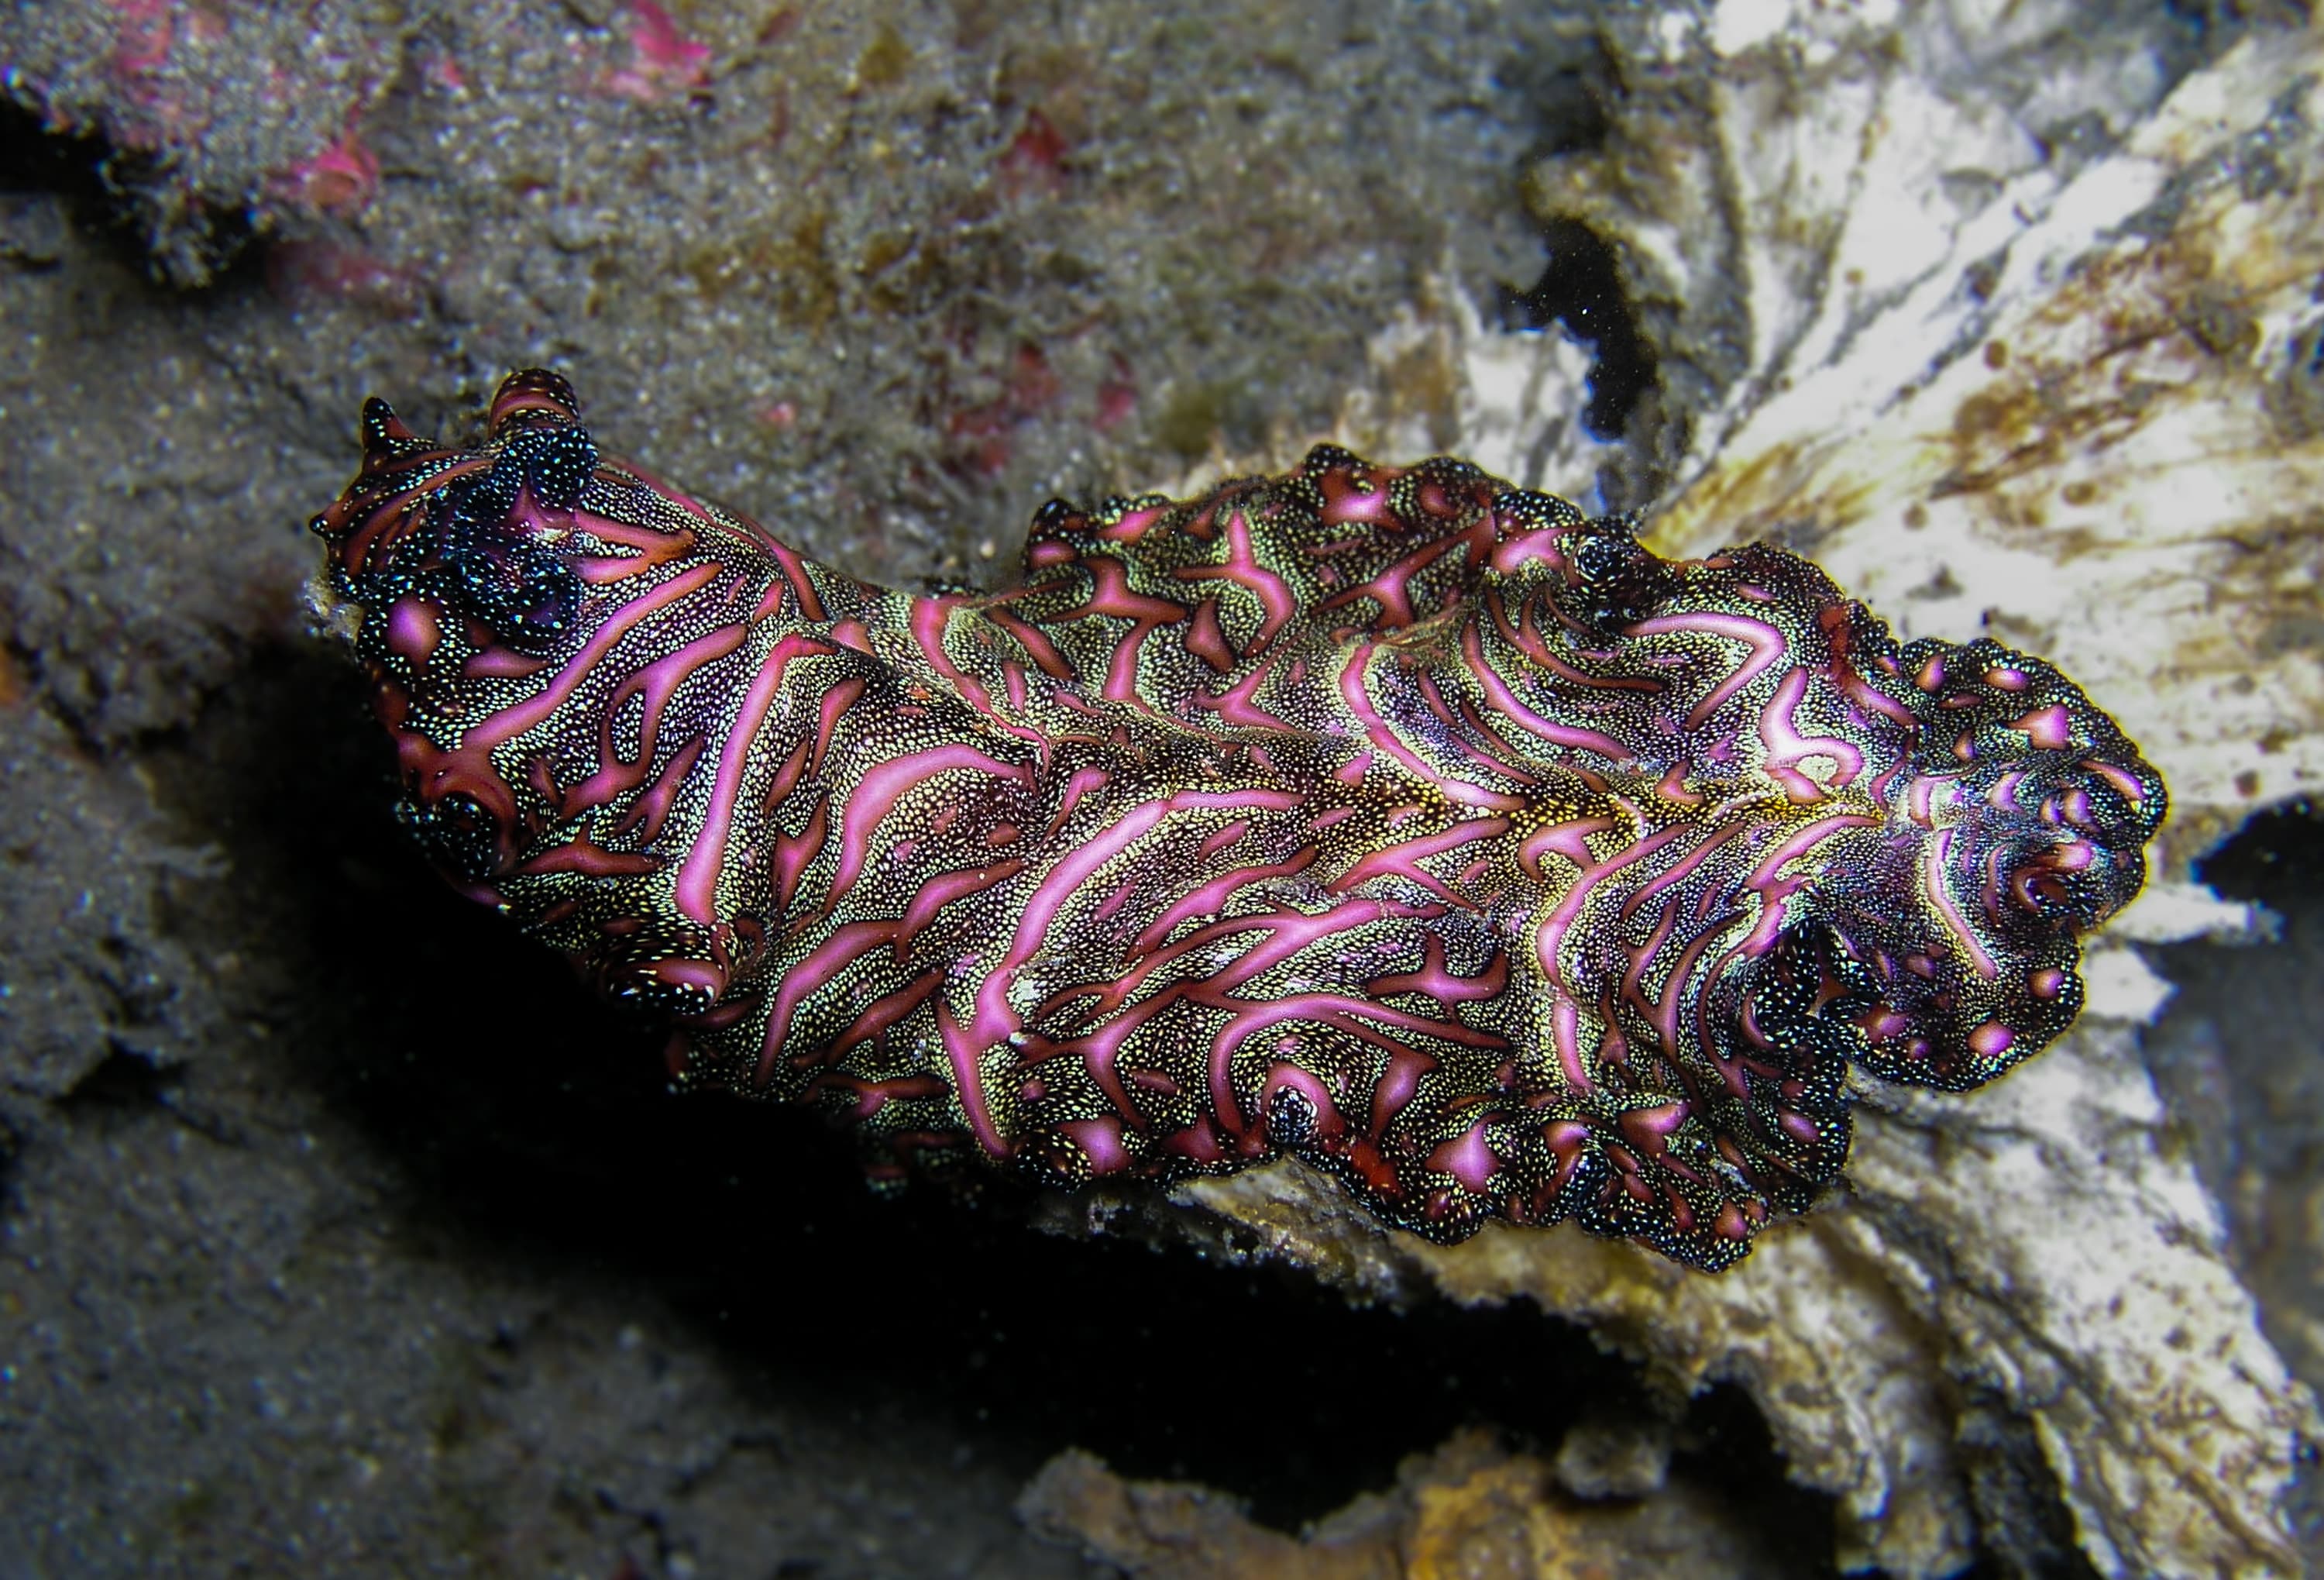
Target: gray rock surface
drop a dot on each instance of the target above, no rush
(340, 1236)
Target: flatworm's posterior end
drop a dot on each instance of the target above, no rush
(2021, 825)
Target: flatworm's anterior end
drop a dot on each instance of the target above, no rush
(532, 398)
(453, 569)
(1392, 817)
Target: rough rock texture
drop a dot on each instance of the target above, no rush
(321, 1253)
(2086, 415)
(1471, 1509)
(217, 120)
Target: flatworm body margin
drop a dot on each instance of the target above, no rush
(1392, 817)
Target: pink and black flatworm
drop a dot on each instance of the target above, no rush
(1392, 817)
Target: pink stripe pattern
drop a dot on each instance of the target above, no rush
(1391, 817)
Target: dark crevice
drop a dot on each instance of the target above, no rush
(1581, 288)
(2276, 857)
(115, 198)
(123, 1081)
(2209, 26)
(2023, 1521)
(34, 159)
(1724, 1442)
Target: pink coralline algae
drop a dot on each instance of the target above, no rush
(664, 63)
(1394, 817)
(342, 178)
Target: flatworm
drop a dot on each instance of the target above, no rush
(1394, 817)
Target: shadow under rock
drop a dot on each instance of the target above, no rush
(532, 1125)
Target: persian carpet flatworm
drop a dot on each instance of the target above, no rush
(1392, 817)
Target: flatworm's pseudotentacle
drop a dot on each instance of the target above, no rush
(1398, 819)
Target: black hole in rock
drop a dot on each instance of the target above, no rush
(49, 185)
(34, 159)
(2277, 858)
(1582, 288)
(1724, 1443)
(123, 1080)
